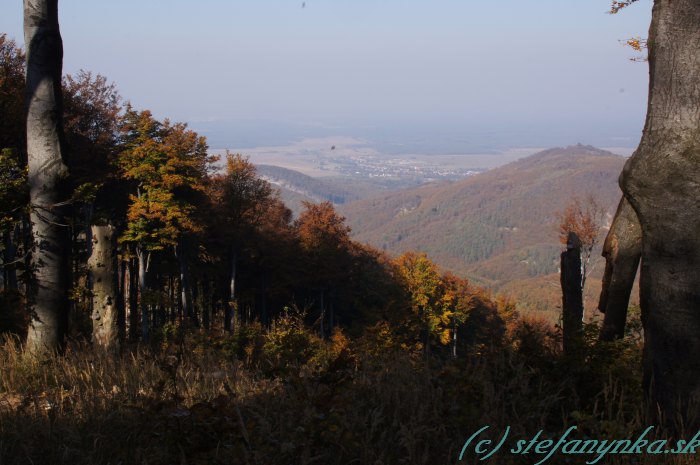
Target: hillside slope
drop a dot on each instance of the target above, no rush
(497, 227)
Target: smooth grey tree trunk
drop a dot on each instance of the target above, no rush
(622, 250)
(121, 302)
(102, 266)
(185, 288)
(230, 309)
(47, 173)
(454, 337)
(143, 290)
(662, 183)
(132, 300)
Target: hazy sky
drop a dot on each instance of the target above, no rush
(530, 72)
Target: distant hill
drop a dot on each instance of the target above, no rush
(296, 187)
(499, 227)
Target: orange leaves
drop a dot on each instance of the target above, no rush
(170, 165)
(583, 217)
(321, 228)
(637, 44)
(619, 5)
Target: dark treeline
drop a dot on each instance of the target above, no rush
(165, 235)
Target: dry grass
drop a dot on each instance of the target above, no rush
(287, 397)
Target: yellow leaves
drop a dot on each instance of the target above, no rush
(445, 337)
(171, 164)
(156, 220)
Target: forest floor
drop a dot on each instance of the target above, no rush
(285, 396)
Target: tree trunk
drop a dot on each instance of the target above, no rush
(102, 267)
(133, 301)
(572, 295)
(230, 309)
(454, 337)
(322, 316)
(621, 250)
(661, 182)
(121, 303)
(47, 173)
(207, 303)
(185, 291)
(143, 290)
(264, 316)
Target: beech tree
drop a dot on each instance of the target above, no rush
(239, 200)
(583, 217)
(47, 176)
(325, 239)
(91, 119)
(457, 301)
(660, 182)
(167, 162)
(422, 280)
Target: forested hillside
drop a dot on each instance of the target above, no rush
(499, 227)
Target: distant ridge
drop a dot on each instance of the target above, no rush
(296, 187)
(497, 227)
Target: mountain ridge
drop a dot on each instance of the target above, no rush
(495, 227)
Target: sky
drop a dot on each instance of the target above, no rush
(440, 75)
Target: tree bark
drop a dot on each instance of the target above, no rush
(132, 299)
(102, 266)
(454, 337)
(661, 183)
(572, 295)
(47, 173)
(145, 322)
(622, 250)
(322, 314)
(185, 288)
(230, 309)
(121, 303)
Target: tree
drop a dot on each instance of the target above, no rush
(457, 301)
(168, 163)
(622, 251)
(571, 277)
(422, 280)
(325, 239)
(12, 96)
(103, 264)
(239, 198)
(660, 183)
(47, 176)
(91, 118)
(585, 219)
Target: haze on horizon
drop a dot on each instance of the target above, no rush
(447, 77)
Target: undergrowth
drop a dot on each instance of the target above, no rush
(286, 396)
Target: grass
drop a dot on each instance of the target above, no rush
(285, 396)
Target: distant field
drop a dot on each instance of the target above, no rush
(331, 156)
